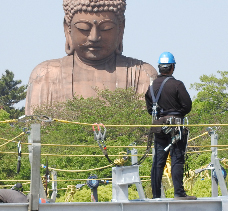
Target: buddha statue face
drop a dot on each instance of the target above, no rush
(95, 36)
(94, 29)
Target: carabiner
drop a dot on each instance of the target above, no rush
(104, 132)
(19, 148)
(19, 157)
(96, 135)
(99, 136)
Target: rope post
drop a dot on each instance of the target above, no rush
(34, 157)
(217, 168)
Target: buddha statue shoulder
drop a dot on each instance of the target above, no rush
(94, 33)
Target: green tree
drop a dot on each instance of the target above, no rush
(212, 96)
(11, 93)
(210, 107)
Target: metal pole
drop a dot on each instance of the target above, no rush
(214, 141)
(217, 168)
(35, 150)
(134, 159)
(54, 186)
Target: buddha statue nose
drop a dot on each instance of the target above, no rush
(94, 35)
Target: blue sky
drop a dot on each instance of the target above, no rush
(195, 31)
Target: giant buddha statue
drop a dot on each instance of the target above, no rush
(94, 33)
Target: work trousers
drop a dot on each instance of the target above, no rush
(177, 153)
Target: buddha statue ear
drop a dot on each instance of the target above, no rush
(119, 49)
(68, 45)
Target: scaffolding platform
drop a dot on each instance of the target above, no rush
(201, 204)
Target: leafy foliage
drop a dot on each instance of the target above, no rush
(212, 95)
(11, 93)
(4, 115)
(210, 106)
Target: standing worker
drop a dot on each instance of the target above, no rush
(172, 105)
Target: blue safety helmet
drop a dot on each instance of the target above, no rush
(166, 58)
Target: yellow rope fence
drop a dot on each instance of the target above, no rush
(89, 124)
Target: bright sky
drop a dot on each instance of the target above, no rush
(195, 31)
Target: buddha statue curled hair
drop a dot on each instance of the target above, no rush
(73, 6)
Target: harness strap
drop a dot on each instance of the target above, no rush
(155, 100)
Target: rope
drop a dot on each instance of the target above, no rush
(224, 162)
(79, 123)
(71, 190)
(208, 146)
(167, 169)
(82, 155)
(105, 179)
(103, 155)
(90, 146)
(188, 182)
(120, 161)
(73, 180)
(198, 136)
(68, 155)
(12, 139)
(15, 180)
(5, 186)
(205, 151)
(9, 121)
(13, 153)
(193, 125)
(63, 170)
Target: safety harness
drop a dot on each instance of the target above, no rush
(175, 132)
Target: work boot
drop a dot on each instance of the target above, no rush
(185, 197)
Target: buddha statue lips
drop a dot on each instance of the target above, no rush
(90, 47)
(95, 51)
(94, 33)
(93, 48)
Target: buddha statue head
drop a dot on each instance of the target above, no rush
(94, 28)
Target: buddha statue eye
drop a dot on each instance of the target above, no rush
(83, 26)
(105, 26)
